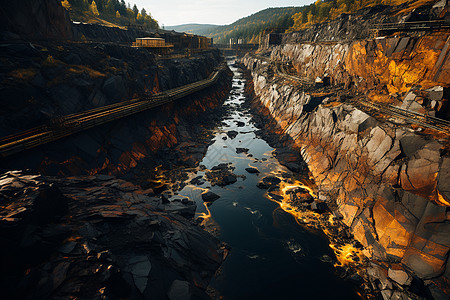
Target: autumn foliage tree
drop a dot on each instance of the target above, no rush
(114, 11)
(323, 10)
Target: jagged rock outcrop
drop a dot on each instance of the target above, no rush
(357, 26)
(100, 33)
(386, 181)
(42, 83)
(35, 19)
(98, 236)
(390, 64)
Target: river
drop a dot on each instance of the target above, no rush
(272, 256)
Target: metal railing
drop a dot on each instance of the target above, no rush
(78, 122)
(411, 26)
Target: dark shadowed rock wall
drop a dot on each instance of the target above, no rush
(58, 80)
(35, 19)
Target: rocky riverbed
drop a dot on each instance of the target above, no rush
(98, 236)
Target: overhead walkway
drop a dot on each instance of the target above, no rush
(74, 123)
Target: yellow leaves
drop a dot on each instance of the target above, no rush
(66, 4)
(49, 61)
(93, 8)
(78, 69)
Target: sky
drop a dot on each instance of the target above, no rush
(220, 12)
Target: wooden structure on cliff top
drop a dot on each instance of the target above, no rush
(178, 41)
(157, 45)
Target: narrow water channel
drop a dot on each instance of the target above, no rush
(272, 256)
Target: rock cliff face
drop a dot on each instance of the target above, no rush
(358, 26)
(99, 33)
(389, 183)
(41, 83)
(392, 64)
(36, 19)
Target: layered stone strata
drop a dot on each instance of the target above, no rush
(389, 183)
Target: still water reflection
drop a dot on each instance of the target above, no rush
(272, 257)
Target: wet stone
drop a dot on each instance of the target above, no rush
(232, 134)
(197, 180)
(262, 185)
(210, 196)
(319, 207)
(179, 290)
(275, 197)
(252, 170)
(222, 166)
(228, 179)
(271, 180)
(241, 150)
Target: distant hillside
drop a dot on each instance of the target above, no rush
(250, 27)
(286, 19)
(199, 29)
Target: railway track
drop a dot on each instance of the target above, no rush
(409, 116)
(279, 69)
(77, 122)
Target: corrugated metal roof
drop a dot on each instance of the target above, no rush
(149, 38)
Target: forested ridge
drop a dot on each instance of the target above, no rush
(115, 12)
(288, 19)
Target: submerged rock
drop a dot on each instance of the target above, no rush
(209, 196)
(242, 150)
(232, 134)
(252, 170)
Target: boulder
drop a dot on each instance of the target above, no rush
(209, 196)
(226, 180)
(443, 181)
(271, 180)
(435, 93)
(232, 134)
(319, 207)
(179, 290)
(242, 150)
(252, 170)
(400, 276)
(140, 267)
(114, 88)
(411, 143)
(67, 99)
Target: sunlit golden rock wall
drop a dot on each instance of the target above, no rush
(392, 64)
(390, 185)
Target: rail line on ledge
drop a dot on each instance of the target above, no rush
(407, 115)
(77, 122)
